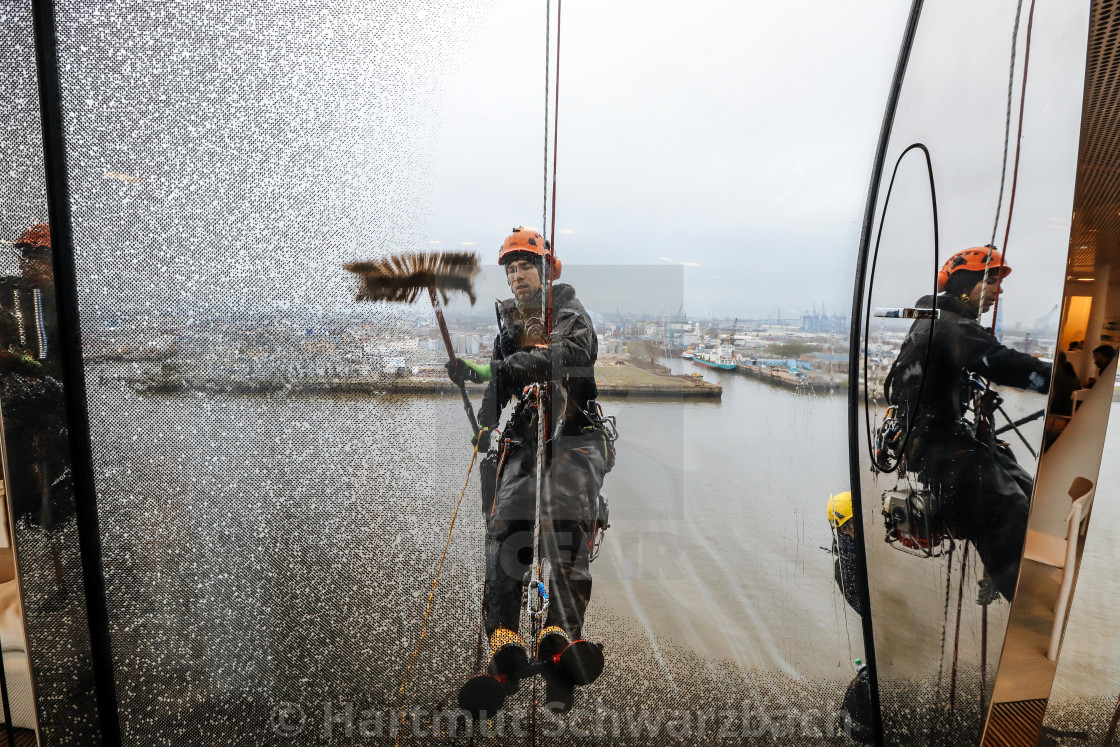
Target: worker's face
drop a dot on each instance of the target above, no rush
(523, 279)
(1100, 360)
(36, 268)
(984, 293)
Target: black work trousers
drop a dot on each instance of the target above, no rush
(573, 477)
(987, 495)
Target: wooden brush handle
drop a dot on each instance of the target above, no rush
(442, 323)
(451, 355)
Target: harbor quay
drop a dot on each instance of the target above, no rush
(614, 376)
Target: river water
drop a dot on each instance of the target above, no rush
(273, 548)
(264, 550)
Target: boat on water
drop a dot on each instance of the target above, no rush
(722, 357)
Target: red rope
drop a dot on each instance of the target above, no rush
(1108, 738)
(555, 143)
(555, 128)
(1018, 150)
(983, 657)
(957, 632)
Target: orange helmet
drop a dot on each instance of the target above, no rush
(974, 259)
(36, 237)
(529, 241)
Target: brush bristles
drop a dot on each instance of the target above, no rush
(400, 278)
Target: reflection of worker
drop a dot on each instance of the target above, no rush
(524, 354)
(33, 405)
(1102, 356)
(857, 698)
(984, 493)
(1065, 384)
(29, 333)
(844, 549)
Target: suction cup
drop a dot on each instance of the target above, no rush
(582, 662)
(482, 696)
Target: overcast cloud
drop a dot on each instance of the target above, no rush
(731, 140)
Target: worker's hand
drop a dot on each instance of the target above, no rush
(482, 440)
(464, 370)
(455, 371)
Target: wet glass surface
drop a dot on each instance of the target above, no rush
(275, 488)
(944, 532)
(43, 625)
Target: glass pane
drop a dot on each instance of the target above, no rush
(950, 492)
(1061, 608)
(47, 673)
(278, 465)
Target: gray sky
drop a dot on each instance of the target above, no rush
(954, 102)
(730, 140)
(734, 136)
(737, 138)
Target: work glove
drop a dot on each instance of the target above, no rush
(482, 440)
(460, 370)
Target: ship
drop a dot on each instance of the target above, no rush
(722, 357)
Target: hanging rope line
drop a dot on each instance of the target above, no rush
(431, 599)
(537, 609)
(1007, 118)
(957, 632)
(555, 128)
(983, 657)
(1015, 168)
(945, 614)
(547, 55)
(888, 468)
(843, 588)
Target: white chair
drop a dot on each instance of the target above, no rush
(1062, 554)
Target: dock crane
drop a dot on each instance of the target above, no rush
(1042, 321)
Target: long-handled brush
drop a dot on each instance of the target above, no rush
(401, 277)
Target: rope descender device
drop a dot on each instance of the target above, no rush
(536, 602)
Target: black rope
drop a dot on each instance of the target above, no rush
(1007, 119)
(1015, 168)
(547, 57)
(867, 318)
(855, 470)
(957, 630)
(945, 614)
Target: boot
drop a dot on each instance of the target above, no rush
(507, 658)
(484, 694)
(558, 690)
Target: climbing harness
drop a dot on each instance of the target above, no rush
(608, 429)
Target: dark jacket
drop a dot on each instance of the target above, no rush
(29, 323)
(960, 348)
(520, 358)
